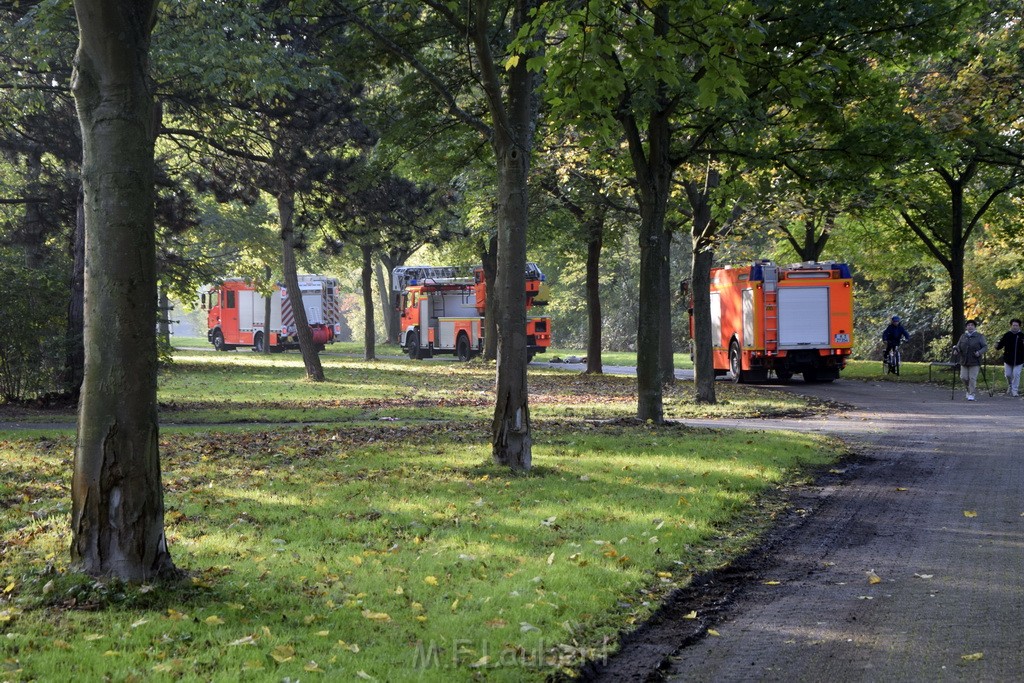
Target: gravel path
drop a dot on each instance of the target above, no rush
(932, 506)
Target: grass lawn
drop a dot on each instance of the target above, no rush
(376, 540)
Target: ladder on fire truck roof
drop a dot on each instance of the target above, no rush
(771, 307)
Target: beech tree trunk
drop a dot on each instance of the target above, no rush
(369, 325)
(595, 242)
(310, 355)
(489, 262)
(116, 494)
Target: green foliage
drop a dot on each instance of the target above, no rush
(32, 306)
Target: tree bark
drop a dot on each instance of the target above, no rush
(387, 303)
(702, 234)
(117, 497)
(513, 107)
(666, 359)
(369, 326)
(489, 262)
(74, 348)
(310, 355)
(595, 242)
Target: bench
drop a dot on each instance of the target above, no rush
(942, 366)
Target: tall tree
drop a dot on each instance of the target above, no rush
(117, 497)
(965, 105)
(507, 91)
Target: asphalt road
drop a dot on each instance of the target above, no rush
(932, 504)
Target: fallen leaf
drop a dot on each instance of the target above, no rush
(480, 663)
(430, 580)
(376, 616)
(972, 657)
(213, 620)
(713, 632)
(691, 615)
(923, 576)
(772, 583)
(283, 653)
(245, 640)
(970, 513)
(873, 578)
(525, 627)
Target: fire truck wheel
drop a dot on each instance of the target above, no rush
(463, 349)
(413, 345)
(735, 364)
(784, 375)
(218, 341)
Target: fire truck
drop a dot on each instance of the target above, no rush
(443, 313)
(784, 319)
(235, 314)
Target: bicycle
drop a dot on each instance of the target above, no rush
(892, 361)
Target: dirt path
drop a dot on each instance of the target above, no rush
(934, 505)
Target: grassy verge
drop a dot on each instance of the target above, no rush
(384, 552)
(380, 542)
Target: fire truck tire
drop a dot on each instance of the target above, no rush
(412, 344)
(784, 375)
(736, 363)
(462, 348)
(218, 342)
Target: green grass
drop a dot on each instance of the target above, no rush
(385, 544)
(398, 553)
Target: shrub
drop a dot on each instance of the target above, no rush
(32, 327)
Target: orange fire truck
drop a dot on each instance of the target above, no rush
(236, 312)
(782, 319)
(443, 313)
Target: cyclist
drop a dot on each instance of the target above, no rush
(892, 335)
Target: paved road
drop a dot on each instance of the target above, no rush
(934, 506)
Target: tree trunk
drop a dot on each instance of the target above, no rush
(74, 348)
(310, 354)
(666, 357)
(703, 364)
(512, 441)
(369, 326)
(702, 234)
(267, 309)
(387, 303)
(116, 493)
(595, 242)
(489, 262)
(513, 107)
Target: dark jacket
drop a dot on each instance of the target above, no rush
(893, 333)
(1012, 344)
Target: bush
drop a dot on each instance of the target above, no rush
(32, 308)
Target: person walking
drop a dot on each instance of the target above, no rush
(970, 350)
(1012, 344)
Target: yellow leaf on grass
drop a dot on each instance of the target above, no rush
(311, 666)
(93, 636)
(356, 560)
(213, 620)
(283, 653)
(430, 580)
(175, 615)
(376, 616)
(972, 657)
(351, 647)
(480, 663)
(970, 513)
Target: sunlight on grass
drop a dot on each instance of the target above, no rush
(402, 553)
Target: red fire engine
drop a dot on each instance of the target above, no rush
(236, 312)
(786, 319)
(443, 313)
